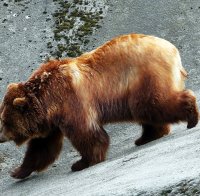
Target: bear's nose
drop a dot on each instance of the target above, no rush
(0, 126)
(2, 138)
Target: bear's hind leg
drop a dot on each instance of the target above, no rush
(152, 132)
(181, 106)
(187, 109)
(40, 154)
(92, 147)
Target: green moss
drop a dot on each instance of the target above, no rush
(86, 3)
(49, 45)
(80, 2)
(75, 13)
(166, 192)
(61, 47)
(59, 14)
(66, 39)
(66, 25)
(195, 191)
(65, 18)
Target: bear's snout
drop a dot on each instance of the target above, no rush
(3, 138)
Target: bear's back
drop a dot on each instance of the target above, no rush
(125, 60)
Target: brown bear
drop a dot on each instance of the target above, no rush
(136, 78)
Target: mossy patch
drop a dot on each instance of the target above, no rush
(74, 21)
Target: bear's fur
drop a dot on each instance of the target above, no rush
(133, 77)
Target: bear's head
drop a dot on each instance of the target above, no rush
(19, 115)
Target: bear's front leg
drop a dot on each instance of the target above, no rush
(41, 152)
(92, 145)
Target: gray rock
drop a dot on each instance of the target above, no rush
(158, 168)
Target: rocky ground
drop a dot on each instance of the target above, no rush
(34, 31)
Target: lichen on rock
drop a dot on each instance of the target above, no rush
(75, 20)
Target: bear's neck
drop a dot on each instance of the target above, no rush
(54, 93)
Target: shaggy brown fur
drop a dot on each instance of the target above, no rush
(135, 78)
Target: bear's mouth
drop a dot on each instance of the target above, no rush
(2, 138)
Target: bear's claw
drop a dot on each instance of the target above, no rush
(21, 173)
(191, 107)
(79, 165)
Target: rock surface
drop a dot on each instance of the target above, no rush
(168, 166)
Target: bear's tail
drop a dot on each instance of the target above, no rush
(184, 73)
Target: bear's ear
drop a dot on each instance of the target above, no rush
(12, 86)
(20, 102)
